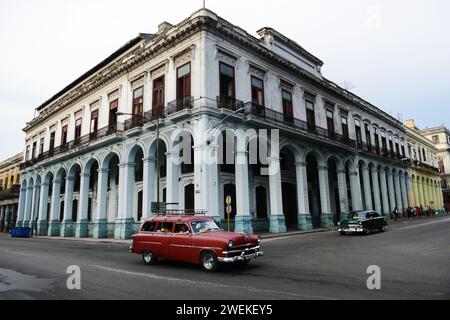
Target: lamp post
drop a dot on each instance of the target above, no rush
(158, 173)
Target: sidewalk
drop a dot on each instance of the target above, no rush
(264, 235)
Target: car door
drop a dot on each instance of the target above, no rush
(181, 244)
(162, 236)
(146, 239)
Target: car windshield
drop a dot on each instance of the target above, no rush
(201, 226)
(357, 215)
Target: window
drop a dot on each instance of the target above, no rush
(183, 82)
(64, 135)
(94, 121)
(391, 146)
(165, 227)
(377, 140)
(424, 155)
(113, 107)
(441, 164)
(368, 136)
(149, 226)
(384, 143)
(288, 109)
(410, 151)
(310, 115)
(402, 146)
(227, 82)
(158, 93)
(138, 104)
(52, 141)
(330, 124)
(397, 147)
(78, 129)
(41, 146)
(435, 139)
(358, 133)
(344, 122)
(33, 154)
(27, 153)
(258, 94)
(181, 228)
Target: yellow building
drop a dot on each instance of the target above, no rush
(425, 174)
(9, 191)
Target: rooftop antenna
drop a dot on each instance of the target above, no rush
(204, 4)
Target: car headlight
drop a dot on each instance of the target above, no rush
(230, 244)
(259, 240)
(360, 223)
(339, 223)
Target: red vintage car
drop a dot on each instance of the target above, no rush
(195, 239)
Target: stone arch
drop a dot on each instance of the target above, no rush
(133, 150)
(87, 164)
(314, 196)
(339, 162)
(107, 158)
(317, 155)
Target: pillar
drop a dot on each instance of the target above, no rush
(28, 202)
(420, 192)
(343, 196)
(404, 191)
(398, 193)
(410, 192)
(67, 224)
(304, 216)
(54, 229)
(124, 223)
(243, 220)
(416, 193)
(42, 227)
(326, 216)
(82, 224)
(2, 219)
(367, 188)
(21, 210)
(355, 189)
(149, 186)
(172, 184)
(392, 201)
(34, 206)
(426, 194)
(384, 194)
(376, 190)
(100, 219)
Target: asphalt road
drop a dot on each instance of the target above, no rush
(414, 257)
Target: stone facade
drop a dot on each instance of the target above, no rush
(329, 151)
(9, 191)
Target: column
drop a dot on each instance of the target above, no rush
(100, 220)
(384, 194)
(410, 192)
(42, 227)
(173, 174)
(404, 191)
(398, 193)
(425, 193)
(82, 225)
(416, 193)
(441, 197)
(67, 224)
(355, 189)
(213, 190)
(28, 201)
(34, 206)
(343, 197)
(21, 210)
(304, 216)
(367, 188)
(420, 192)
(243, 220)
(2, 219)
(149, 186)
(392, 201)
(326, 216)
(54, 229)
(9, 221)
(376, 190)
(7, 218)
(124, 224)
(435, 196)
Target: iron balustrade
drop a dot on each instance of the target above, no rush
(10, 193)
(76, 143)
(230, 103)
(179, 105)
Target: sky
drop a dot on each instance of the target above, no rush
(394, 54)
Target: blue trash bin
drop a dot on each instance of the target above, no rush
(21, 232)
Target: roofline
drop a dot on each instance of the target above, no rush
(99, 66)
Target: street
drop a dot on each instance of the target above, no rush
(414, 257)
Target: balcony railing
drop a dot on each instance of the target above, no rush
(76, 143)
(179, 105)
(229, 103)
(10, 193)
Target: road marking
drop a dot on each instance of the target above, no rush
(425, 224)
(207, 284)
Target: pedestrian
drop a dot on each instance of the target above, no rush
(395, 212)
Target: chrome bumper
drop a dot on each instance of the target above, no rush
(350, 229)
(131, 249)
(243, 257)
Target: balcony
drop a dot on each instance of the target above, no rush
(10, 193)
(424, 166)
(76, 143)
(179, 105)
(230, 103)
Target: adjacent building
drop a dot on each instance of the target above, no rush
(425, 173)
(440, 136)
(9, 191)
(99, 152)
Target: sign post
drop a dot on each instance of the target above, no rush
(228, 202)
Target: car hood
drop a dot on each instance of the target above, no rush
(237, 238)
(350, 221)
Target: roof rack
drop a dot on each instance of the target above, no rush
(185, 212)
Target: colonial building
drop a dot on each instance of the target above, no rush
(440, 136)
(9, 191)
(425, 174)
(100, 151)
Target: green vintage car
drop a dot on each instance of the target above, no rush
(362, 222)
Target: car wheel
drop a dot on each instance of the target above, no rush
(342, 233)
(209, 261)
(382, 229)
(149, 258)
(367, 231)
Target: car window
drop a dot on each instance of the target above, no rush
(165, 227)
(181, 228)
(204, 226)
(149, 227)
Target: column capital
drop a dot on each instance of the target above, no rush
(150, 159)
(342, 171)
(85, 175)
(103, 170)
(322, 168)
(45, 184)
(301, 164)
(127, 165)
